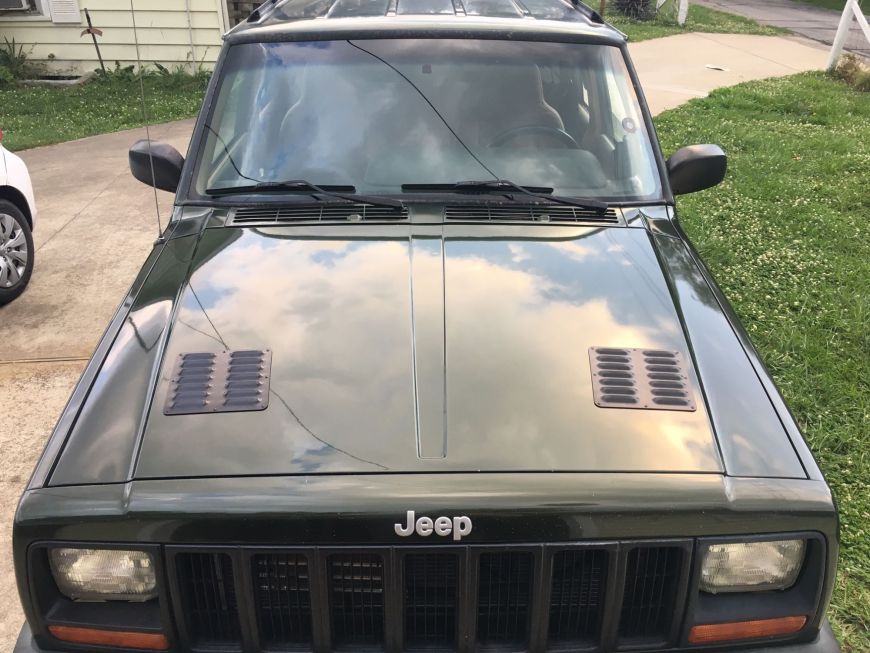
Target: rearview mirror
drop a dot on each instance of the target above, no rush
(696, 167)
(167, 164)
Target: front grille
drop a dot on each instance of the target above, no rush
(576, 597)
(651, 581)
(431, 596)
(282, 594)
(208, 594)
(448, 598)
(357, 600)
(504, 599)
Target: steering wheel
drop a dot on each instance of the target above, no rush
(564, 138)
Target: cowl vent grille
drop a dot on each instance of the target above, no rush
(529, 213)
(223, 382)
(640, 378)
(265, 216)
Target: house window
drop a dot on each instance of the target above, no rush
(57, 11)
(17, 7)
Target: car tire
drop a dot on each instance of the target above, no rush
(16, 252)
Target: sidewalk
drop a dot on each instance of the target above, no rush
(812, 22)
(675, 69)
(97, 224)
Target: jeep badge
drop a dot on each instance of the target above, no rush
(443, 526)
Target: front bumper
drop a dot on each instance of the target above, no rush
(824, 643)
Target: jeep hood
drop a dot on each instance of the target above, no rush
(455, 349)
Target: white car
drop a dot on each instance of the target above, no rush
(17, 218)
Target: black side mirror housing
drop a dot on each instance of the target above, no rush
(696, 167)
(168, 163)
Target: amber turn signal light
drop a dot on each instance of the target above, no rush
(117, 638)
(736, 630)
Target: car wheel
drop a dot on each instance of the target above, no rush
(16, 252)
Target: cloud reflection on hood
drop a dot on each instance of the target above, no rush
(519, 319)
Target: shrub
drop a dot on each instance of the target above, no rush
(6, 76)
(854, 72)
(641, 9)
(14, 59)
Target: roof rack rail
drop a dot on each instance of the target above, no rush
(588, 11)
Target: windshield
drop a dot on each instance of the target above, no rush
(377, 115)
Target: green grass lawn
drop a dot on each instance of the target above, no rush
(42, 116)
(700, 19)
(788, 238)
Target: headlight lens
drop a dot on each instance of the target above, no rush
(751, 566)
(103, 574)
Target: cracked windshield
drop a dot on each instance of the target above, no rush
(389, 117)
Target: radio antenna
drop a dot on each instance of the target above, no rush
(145, 119)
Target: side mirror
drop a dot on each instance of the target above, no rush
(696, 167)
(167, 164)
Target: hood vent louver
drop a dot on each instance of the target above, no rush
(225, 382)
(652, 379)
(331, 212)
(529, 213)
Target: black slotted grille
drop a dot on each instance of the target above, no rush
(529, 213)
(577, 596)
(329, 212)
(421, 599)
(282, 587)
(357, 600)
(651, 579)
(208, 593)
(430, 600)
(504, 598)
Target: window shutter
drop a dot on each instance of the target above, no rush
(65, 11)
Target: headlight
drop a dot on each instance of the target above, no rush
(751, 566)
(103, 574)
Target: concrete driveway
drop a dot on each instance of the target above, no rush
(97, 223)
(95, 226)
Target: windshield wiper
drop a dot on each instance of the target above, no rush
(505, 187)
(346, 193)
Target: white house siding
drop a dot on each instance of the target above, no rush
(168, 34)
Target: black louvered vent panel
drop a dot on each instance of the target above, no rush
(430, 601)
(577, 597)
(651, 579)
(504, 599)
(223, 382)
(318, 213)
(615, 375)
(246, 386)
(282, 587)
(653, 379)
(667, 379)
(192, 384)
(208, 594)
(356, 584)
(529, 212)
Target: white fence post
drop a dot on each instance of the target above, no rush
(852, 9)
(682, 11)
